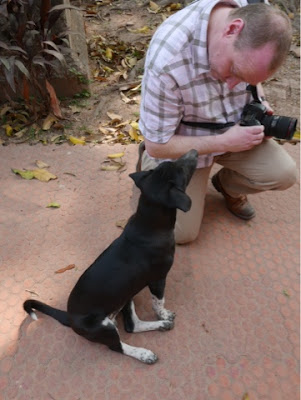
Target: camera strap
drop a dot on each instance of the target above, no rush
(208, 125)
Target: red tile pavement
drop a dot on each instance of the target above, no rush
(235, 290)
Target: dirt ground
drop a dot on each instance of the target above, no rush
(118, 33)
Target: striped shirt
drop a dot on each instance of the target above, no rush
(177, 83)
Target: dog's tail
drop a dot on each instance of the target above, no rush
(59, 315)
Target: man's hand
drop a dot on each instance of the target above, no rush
(241, 138)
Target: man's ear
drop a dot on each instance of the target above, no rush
(234, 27)
(139, 177)
(179, 199)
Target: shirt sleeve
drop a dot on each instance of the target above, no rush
(161, 107)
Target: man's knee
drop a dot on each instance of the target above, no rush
(186, 236)
(287, 175)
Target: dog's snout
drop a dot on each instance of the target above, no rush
(189, 159)
(191, 154)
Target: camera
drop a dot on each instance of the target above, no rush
(255, 113)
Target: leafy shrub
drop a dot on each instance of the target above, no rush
(31, 50)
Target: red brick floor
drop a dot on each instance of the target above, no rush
(235, 290)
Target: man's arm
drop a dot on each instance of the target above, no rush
(238, 138)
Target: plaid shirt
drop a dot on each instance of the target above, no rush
(177, 83)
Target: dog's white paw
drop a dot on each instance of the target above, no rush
(149, 357)
(141, 354)
(167, 325)
(165, 314)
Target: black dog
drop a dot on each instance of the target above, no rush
(141, 256)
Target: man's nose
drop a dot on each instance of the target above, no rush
(232, 82)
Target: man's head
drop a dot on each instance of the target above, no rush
(264, 24)
(253, 43)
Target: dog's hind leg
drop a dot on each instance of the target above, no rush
(157, 291)
(133, 324)
(106, 333)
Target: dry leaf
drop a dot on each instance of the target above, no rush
(8, 130)
(4, 110)
(115, 155)
(246, 397)
(53, 205)
(48, 122)
(153, 7)
(75, 109)
(113, 116)
(144, 29)
(111, 167)
(125, 99)
(43, 175)
(60, 271)
(41, 164)
(121, 223)
(54, 101)
(103, 130)
(75, 140)
(109, 53)
(21, 133)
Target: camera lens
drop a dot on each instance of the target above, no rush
(279, 127)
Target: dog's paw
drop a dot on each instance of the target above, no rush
(166, 315)
(167, 325)
(149, 357)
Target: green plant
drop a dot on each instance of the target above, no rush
(80, 77)
(31, 50)
(84, 94)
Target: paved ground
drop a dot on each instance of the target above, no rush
(235, 290)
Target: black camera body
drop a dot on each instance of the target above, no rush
(255, 113)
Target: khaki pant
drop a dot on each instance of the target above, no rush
(265, 167)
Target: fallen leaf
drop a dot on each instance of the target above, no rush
(285, 292)
(125, 99)
(121, 223)
(144, 29)
(5, 109)
(48, 122)
(21, 133)
(8, 130)
(109, 53)
(60, 271)
(115, 155)
(245, 397)
(113, 116)
(24, 174)
(111, 167)
(41, 164)
(154, 7)
(75, 140)
(175, 6)
(75, 109)
(54, 101)
(43, 175)
(53, 205)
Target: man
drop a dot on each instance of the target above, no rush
(197, 68)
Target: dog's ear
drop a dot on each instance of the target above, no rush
(179, 199)
(139, 177)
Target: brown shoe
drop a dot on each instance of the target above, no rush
(238, 206)
(140, 152)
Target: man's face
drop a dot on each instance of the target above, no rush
(233, 66)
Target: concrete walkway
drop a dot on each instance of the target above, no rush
(235, 290)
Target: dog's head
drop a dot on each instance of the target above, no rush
(166, 184)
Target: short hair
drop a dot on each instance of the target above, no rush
(264, 24)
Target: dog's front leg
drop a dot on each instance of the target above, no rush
(133, 324)
(157, 291)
